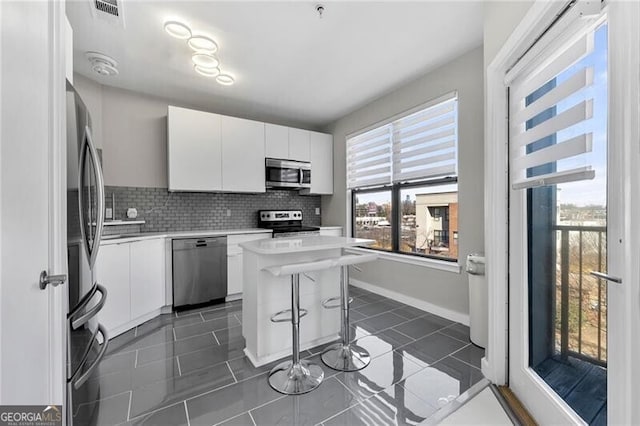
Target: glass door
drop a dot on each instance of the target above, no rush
(558, 228)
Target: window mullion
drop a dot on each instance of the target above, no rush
(395, 217)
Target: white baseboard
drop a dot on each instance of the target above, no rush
(232, 297)
(259, 362)
(412, 301)
(485, 368)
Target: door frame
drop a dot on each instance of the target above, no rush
(624, 124)
(57, 144)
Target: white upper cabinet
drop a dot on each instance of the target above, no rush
(242, 155)
(194, 150)
(299, 145)
(321, 153)
(276, 141)
(210, 152)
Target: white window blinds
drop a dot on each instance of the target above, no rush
(369, 158)
(419, 146)
(551, 103)
(424, 143)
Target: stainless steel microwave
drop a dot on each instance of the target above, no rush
(287, 174)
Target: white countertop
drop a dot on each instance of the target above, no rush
(331, 227)
(107, 239)
(300, 244)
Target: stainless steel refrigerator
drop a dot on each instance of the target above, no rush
(87, 340)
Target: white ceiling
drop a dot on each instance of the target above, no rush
(290, 66)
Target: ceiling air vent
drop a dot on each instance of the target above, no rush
(107, 6)
(108, 10)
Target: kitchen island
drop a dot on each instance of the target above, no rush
(265, 294)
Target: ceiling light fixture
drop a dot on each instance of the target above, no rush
(204, 47)
(205, 60)
(225, 79)
(177, 29)
(202, 43)
(207, 72)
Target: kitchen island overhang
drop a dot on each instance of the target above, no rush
(264, 294)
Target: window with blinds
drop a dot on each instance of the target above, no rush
(403, 181)
(419, 146)
(551, 105)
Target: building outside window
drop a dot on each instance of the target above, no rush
(402, 176)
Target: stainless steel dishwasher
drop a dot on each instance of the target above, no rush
(199, 271)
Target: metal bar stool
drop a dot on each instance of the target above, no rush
(296, 376)
(345, 355)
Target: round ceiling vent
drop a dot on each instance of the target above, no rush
(102, 64)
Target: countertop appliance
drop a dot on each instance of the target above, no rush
(87, 340)
(199, 271)
(287, 174)
(285, 223)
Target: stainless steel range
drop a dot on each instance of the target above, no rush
(285, 223)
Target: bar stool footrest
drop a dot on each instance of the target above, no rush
(274, 317)
(330, 303)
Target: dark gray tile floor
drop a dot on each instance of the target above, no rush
(189, 369)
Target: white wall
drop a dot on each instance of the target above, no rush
(131, 129)
(500, 19)
(465, 74)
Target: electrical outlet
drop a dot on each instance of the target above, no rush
(228, 212)
(317, 211)
(108, 214)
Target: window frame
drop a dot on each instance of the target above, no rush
(396, 216)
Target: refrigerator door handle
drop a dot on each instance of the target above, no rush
(77, 322)
(83, 302)
(99, 195)
(77, 379)
(88, 146)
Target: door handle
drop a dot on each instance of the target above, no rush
(54, 280)
(604, 276)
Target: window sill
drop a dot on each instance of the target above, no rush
(425, 262)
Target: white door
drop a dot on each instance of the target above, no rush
(32, 202)
(571, 340)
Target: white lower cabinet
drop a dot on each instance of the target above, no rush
(133, 273)
(112, 271)
(147, 276)
(234, 260)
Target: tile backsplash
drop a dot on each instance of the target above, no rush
(166, 211)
